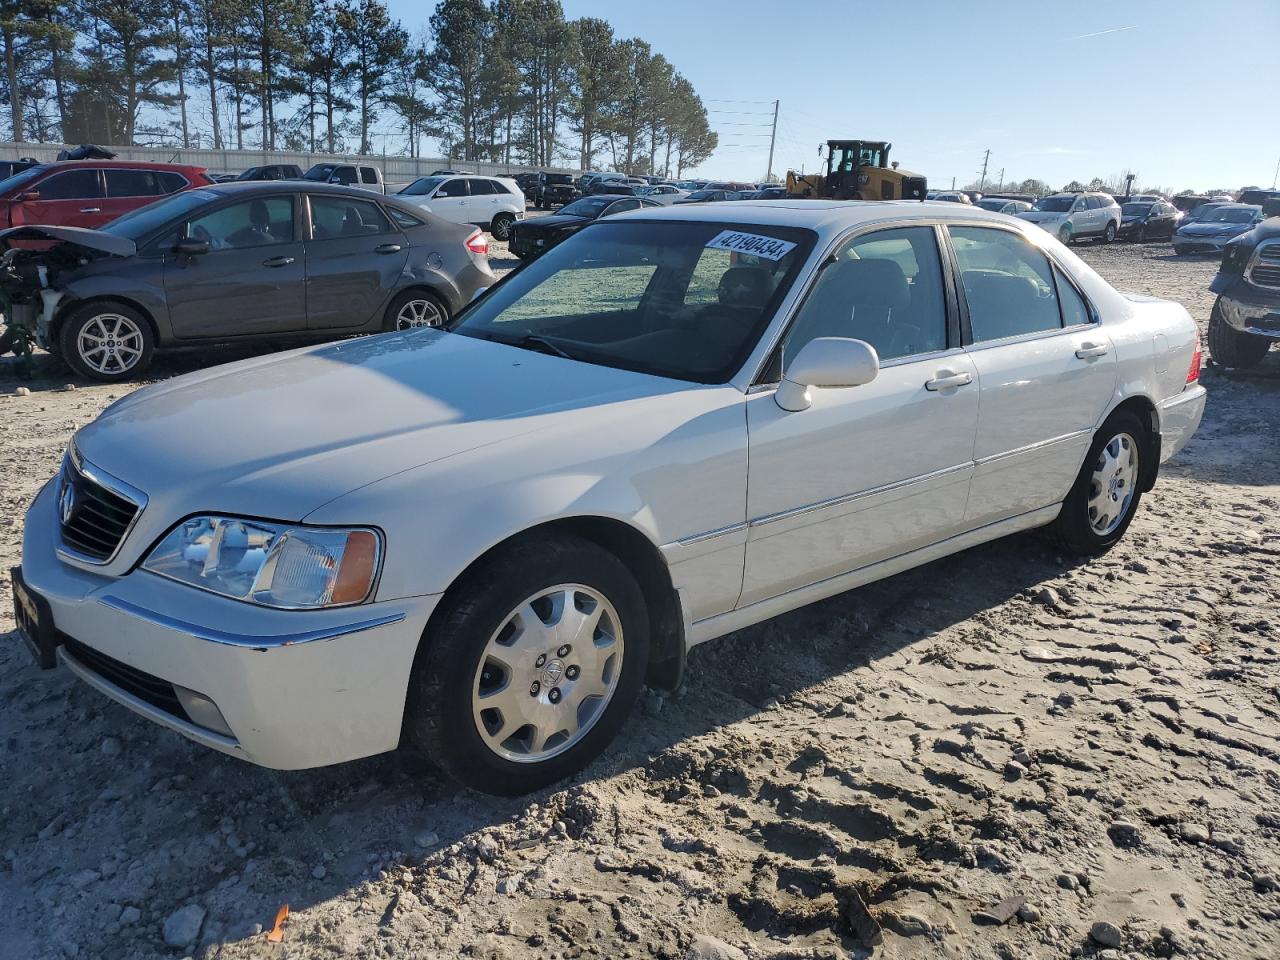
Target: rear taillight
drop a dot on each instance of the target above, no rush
(1193, 373)
(478, 244)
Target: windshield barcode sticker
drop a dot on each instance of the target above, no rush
(770, 248)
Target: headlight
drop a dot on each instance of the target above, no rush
(273, 564)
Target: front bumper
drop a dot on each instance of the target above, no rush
(1179, 419)
(1260, 316)
(1210, 244)
(295, 689)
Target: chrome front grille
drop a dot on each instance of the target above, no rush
(1264, 269)
(95, 511)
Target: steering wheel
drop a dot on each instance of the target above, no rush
(202, 233)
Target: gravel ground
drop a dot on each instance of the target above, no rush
(1101, 739)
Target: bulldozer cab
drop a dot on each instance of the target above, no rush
(847, 161)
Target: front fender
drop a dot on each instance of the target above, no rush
(145, 292)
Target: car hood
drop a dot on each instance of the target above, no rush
(282, 435)
(94, 242)
(1213, 229)
(557, 222)
(1040, 216)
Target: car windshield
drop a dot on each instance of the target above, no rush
(1053, 204)
(1232, 215)
(1135, 209)
(422, 186)
(138, 224)
(588, 207)
(321, 172)
(249, 174)
(21, 179)
(685, 300)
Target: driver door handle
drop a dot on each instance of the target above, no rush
(945, 380)
(387, 248)
(90, 209)
(1091, 351)
(277, 261)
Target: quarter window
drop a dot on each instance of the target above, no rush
(131, 183)
(1074, 309)
(345, 217)
(71, 185)
(1008, 284)
(259, 222)
(884, 288)
(405, 221)
(169, 181)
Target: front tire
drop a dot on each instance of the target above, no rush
(531, 666)
(501, 226)
(1109, 234)
(1064, 234)
(1230, 347)
(106, 341)
(1101, 504)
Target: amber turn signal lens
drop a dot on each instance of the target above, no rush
(359, 562)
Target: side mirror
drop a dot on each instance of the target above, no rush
(826, 362)
(191, 248)
(29, 196)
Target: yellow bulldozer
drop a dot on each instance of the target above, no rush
(858, 170)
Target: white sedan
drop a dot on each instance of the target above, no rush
(482, 541)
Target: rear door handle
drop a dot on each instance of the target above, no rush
(946, 380)
(1091, 351)
(277, 261)
(90, 209)
(387, 248)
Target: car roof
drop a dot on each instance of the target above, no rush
(822, 216)
(118, 164)
(235, 187)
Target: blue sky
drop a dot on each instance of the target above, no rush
(1170, 89)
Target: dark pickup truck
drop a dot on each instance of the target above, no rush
(1245, 321)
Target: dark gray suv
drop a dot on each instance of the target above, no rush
(234, 261)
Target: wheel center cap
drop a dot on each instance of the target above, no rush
(552, 672)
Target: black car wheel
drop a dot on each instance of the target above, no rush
(501, 228)
(415, 308)
(1230, 347)
(1105, 496)
(1109, 234)
(106, 341)
(530, 666)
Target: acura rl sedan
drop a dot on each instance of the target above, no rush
(481, 540)
(236, 261)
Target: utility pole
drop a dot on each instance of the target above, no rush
(1275, 176)
(1001, 187)
(772, 136)
(982, 183)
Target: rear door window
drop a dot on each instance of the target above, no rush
(131, 183)
(452, 188)
(368, 175)
(333, 217)
(482, 188)
(71, 185)
(1008, 284)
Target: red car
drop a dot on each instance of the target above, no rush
(89, 193)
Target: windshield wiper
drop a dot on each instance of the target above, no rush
(531, 341)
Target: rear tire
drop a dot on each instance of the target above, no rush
(501, 226)
(415, 308)
(1064, 234)
(1103, 500)
(1109, 234)
(106, 341)
(1230, 347)
(491, 715)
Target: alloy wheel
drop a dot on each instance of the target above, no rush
(418, 313)
(1113, 484)
(501, 228)
(548, 673)
(110, 344)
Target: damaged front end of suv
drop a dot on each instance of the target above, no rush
(36, 262)
(1245, 321)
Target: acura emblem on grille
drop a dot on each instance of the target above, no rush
(67, 502)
